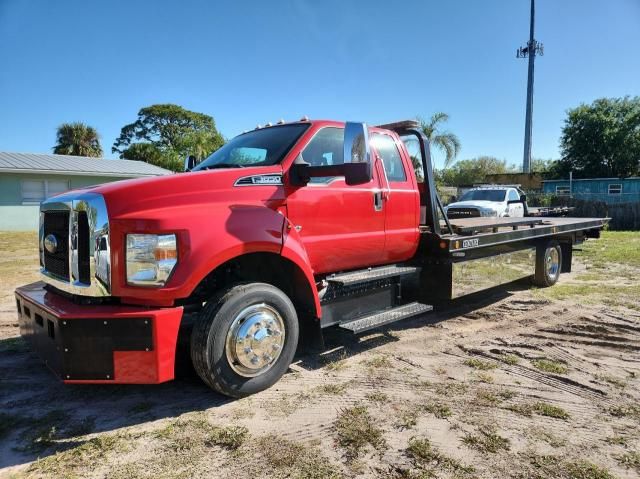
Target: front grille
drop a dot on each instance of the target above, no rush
(84, 269)
(56, 223)
(457, 213)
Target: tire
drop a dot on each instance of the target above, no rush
(548, 264)
(234, 366)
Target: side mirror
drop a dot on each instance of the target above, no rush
(356, 166)
(523, 198)
(189, 162)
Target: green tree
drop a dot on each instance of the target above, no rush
(77, 139)
(169, 133)
(601, 139)
(468, 172)
(538, 165)
(445, 141)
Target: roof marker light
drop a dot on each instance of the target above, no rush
(304, 118)
(281, 121)
(269, 124)
(258, 126)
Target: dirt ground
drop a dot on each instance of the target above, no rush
(514, 383)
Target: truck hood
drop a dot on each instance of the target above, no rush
(476, 203)
(132, 198)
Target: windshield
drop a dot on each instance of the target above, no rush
(483, 195)
(256, 148)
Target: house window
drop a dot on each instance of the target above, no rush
(615, 189)
(563, 191)
(35, 191)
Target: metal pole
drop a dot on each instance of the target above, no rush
(528, 127)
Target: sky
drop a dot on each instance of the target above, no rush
(250, 62)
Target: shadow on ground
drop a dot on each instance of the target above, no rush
(40, 416)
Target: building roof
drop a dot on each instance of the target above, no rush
(76, 165)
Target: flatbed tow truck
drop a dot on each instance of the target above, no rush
(284, 231)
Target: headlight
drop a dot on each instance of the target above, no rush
(150, 259)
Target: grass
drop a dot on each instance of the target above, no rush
(487, 398)
(630, 460)
(487, 440)
(484, 377)
(549, 410)
(9, 422)
(67, 463)
(377, 397)
(556, 467)
(439, 410)
(625, 410)
(337, 365)
(333, 389)
(614, 381)
(550, 366)
(480, 364)
(541, 408)
(424, 454)
(355, 430)
(622, 247)
(408, 418)
(510, 359)
(451, 388)
(378, 362)
(294, 460)
(228, 437)
(45, 432)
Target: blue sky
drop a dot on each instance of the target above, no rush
(252, 62)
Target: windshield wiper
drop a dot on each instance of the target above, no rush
(222, 165)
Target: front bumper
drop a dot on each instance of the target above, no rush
(99, 343)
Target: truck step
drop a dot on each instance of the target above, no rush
(370, 274)
(387, 316)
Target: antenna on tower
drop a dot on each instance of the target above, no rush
(530, 50)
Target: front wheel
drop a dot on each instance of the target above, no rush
(244, 339)
(548, 264)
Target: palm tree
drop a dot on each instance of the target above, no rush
(77, 139)
(443, 140)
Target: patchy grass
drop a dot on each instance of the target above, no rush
(510, 359)
(333, 389)
(540, 408)
(549, 410)
(378, 362)
(630, 460)
(487, 440)
(556, 467)
(294, 460)
(451, 388)
(13, 345)
(507, 394)
(44, 432)
(408, 418)
(484, 377)
(68, 463)
(625, 410)
(480, 364)
(377, 397)
(487, 398)
(228, 437)
(355, 429)
(425, 455)
(337, 365)
(614, 381)
(439, 410)
(550, 366)
(622, 247)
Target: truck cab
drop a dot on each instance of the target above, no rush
(489, 201)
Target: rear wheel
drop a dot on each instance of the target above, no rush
(548, 264)
(245, 339)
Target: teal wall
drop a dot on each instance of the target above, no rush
(597, 189)
(14, 216)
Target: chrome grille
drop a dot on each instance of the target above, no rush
(56, 225)
(80, 262)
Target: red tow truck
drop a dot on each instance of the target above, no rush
(284, 231)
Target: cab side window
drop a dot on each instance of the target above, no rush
(388, 151)
(513, 196)
(325, 148)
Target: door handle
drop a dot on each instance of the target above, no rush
(377, 200)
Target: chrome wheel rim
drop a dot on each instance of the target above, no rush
(255, 340)
(552, 263)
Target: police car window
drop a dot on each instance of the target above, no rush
(325, 148)
(388, 151)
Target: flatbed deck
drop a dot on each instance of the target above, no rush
(472, 233)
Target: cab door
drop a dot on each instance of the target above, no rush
(341, 226)
(401, 198)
